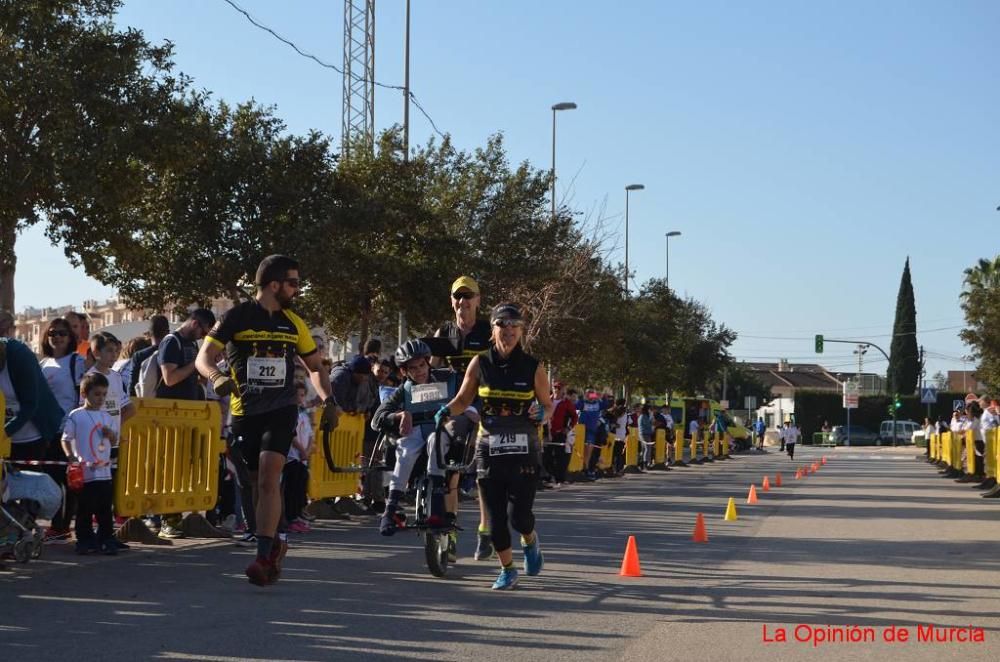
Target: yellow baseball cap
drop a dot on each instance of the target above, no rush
(467, 283)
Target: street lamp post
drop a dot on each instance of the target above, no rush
(673, 233)
(628, 189)
(565, 105)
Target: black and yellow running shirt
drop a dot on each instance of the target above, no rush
(261, 347)
(475, 342)
(506, 389)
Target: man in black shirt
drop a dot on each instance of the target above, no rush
(177, 352)
(159, 327)
(263, 341)
(179, 379)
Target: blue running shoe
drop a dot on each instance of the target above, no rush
(506, 581)
(533, 559)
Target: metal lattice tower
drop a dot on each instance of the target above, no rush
(358, 117)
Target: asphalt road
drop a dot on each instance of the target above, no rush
(873, 540)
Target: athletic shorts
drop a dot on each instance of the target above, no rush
(271, 431)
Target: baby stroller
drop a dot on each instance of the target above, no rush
(25, 498)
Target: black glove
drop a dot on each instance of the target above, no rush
(330, 416)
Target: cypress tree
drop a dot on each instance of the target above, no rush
(904, 360)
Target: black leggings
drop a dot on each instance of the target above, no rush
(295, 480)
(95, 500)
(553, 459)
(558, 457)
(510, 495)
(246, 488)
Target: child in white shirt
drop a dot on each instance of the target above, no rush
(88, 437)
(105, 348)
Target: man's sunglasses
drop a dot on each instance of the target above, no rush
(58, 333)
(458, 296)
(506, 324)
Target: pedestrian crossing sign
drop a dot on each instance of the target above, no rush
(928, 395)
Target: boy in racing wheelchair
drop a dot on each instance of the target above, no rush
(409, 413)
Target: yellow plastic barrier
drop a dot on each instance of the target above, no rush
(956, 452)
(694, 449)
(346, 447)
(970, 452)
(932, 447)
(660, 447)
(632, 448)
(946, 445)
(607, 452)
(576, 459)
(992, 437)
(717, 446)
(168, 458)
(725, 446)
(679, 446)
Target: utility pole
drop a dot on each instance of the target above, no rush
(401, 317)
(860, 351)
(923, 373)
(358, 112)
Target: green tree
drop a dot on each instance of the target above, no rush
(904, 359)
(80, 104)
(939, 381)
(741, 382)
(980, 294)
(235, 189)
(668, 343)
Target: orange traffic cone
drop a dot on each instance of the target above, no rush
(700, 534)
(766, 486)
(630, 563)
(752, 497)
(777, 479)
(824, 459)
(815, 467)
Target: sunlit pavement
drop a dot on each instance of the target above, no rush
(875, 540)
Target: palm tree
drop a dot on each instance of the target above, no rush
(984, 276)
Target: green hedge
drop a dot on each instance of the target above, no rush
(814, 407)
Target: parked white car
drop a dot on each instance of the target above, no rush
(904, 432)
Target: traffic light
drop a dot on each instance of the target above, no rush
(819, 343)
(895, 405)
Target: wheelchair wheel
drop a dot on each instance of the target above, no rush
(22, 550)
(436, 552)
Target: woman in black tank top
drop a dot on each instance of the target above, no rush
(515, 395)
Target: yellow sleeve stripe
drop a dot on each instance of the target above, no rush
(215, 341)
(305, 345)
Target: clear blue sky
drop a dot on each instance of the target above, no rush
(803, 149)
